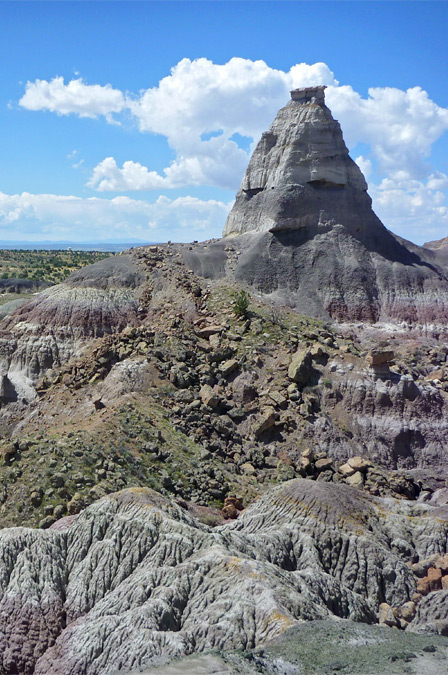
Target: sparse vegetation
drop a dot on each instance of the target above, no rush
(50, 266)
(240, 303)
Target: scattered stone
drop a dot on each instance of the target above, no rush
(435, 579)
(46, 522)
(232, 507)
(209, 397)
(359, 464)
(278, 399)
(57, 480)
(306, 464)
(421, 567)
(7, 452)
(208, 331)
(324, 464)
(300, 368)
(442, 563)
(228, 367)
(386, 616)
(346, 469)
(408, 610)
(36, 498)
(266, 421)
(248, 468)
(356, 480)
(76, 504)
(59, 511)
(285, 471)
(423, 586)
(379, 357)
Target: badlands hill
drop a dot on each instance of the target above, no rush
(208, 476)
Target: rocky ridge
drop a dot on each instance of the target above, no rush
(205, 406)
(55, 324)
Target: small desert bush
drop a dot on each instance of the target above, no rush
(240, 303)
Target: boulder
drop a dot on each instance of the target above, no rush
(209, 397)
(356, 479)
(228, 367)
(359, 464)
(267, 420)
(324, 463)
(407, 610)
(278, 399)
(377, 357)
(386, 615)
(442, 563)
(300, 368)
(435, 579)
(7, 451)
(208, 331)
(346, 469)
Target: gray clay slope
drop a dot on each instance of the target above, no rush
(135, 576)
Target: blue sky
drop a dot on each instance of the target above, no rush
(134, 120)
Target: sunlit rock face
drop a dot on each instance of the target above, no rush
(300, 173)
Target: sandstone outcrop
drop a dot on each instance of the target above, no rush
(300, 174)
(135, 575)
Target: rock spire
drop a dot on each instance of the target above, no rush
(300, 173)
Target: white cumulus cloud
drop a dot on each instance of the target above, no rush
(239, 96)
(85, 100)
(198, 98)
(411, 208)
(29, 216)
(217, 161)
(400, 126)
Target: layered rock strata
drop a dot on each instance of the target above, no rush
(301, 175)
(135, 576)
(302, 233)
(312, 239)
(55, 324)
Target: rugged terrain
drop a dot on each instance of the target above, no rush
(135, 576)
(263, 419)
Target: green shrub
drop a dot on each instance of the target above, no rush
(240, 303)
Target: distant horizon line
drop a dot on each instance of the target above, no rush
(105, 245)
(71, 241)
